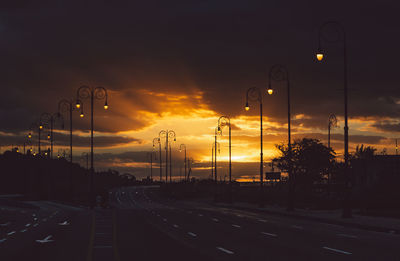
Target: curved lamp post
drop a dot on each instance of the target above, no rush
(48, 118)
(68, 106)
(222, 122)
(155, 141)
(332, 122)
(320, 55)
(254, 94)
(167, 134)
(183, 147)
(279, 73)
(92, 93)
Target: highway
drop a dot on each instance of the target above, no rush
(142, 226)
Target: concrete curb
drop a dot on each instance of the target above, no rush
(317, 219)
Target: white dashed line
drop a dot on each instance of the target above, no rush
(236, 226)
(214, 219)
(346, 235)
(192, 234)
(269, 234)
(337, 250)
(2, 240)
(5, 224)
(27, 225)
(165, 220)
(12, 232)
(23, 230)
(175, 226)
(262, 220)
(200, 215)
(225, 250)
(35, 225)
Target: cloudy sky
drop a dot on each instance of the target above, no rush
(179, 65)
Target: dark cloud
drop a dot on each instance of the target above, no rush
(387, 126)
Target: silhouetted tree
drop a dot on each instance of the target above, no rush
(362, 152)
(310, 161)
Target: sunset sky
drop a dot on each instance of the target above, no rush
(179, 65)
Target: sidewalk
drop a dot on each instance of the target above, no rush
(378, 224)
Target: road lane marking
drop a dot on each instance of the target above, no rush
(225, 250)
(35, 225)
(23, 230)
(192, 234)
(269, 234)
(12, 232)
(45, 240)
(5, 224)
(165, 220)
(176, 226)
(200, 215)
(262, 220)
(236, 226)
(337, 250)
(297, 227)
(27, 225)
(214, 219)
(239, 215)
(346, 235)
(2, 240)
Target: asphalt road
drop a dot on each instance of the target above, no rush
(143, 226)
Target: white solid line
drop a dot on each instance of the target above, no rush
(262, 220)
(337, 250)
(346, 235)
(269, 234)
(176, 226)
(236, 226)
(214, 219)
(298, 227)
(225, 250)
(12, 232)
(192, 234)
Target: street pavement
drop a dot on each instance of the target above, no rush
(140, 225)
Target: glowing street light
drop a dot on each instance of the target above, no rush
(158, 141)
(222, 122)
(341, 33)
(92, 93)
(254, 94)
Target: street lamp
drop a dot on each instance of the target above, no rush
(216, 146)
(167, 134)
(50, 119)
(68, 106)
(254, 94)
(158, 141)
(222, 122)
(279, 73)
(151, 163)
(341, 37)
(183, 147)
(92, 93)
(332, 122)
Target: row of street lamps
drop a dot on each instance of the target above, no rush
(65, 105)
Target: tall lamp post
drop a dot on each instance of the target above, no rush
(155, 141)
(212, 161)
(51, 119)
(279, 73)
(67, 106)
(320, 55)
(183, 147)
(167, 134)
(222, 122)
(332, 122)
(216, 145)
(92, 93)
(151, 163)
(254, 94)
